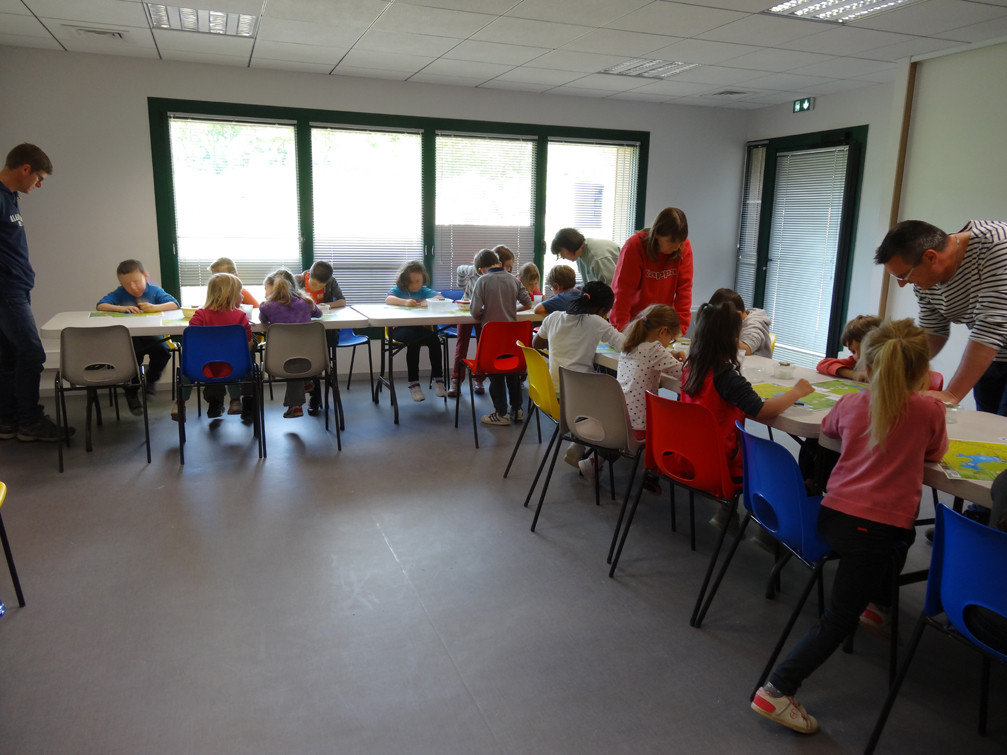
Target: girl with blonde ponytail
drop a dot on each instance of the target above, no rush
(887, 433)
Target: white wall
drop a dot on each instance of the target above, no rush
(89, 113)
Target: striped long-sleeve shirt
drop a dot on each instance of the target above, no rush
(976, 295)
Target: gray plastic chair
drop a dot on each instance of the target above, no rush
(593, 413)
(299, 351)
(94, 358)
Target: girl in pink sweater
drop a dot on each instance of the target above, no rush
(887, 433)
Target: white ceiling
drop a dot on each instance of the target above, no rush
(553, 46)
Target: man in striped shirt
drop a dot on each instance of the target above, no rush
(959, 277)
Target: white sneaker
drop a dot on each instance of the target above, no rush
(439, 388)
(587, 468)
(517, 415)
(573, 455)
(417, 392)
(496, 419)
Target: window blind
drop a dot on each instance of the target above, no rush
(748, 235)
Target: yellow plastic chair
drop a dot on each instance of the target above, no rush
(542, 399)
(772, 343)
(7, 553)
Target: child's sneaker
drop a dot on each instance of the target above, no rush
(248, 408)
(517, 415)
(233, 408)
(293, 411)
(479, 390)
(784, 710)
(439, 388)
(216, 408)
(453, 390)
(8, 429)
(314, 405)
(588, 468)
(574, 454)
(417, 392)
(134, 404)
(495, 419)
(878, 621)
(43, 429)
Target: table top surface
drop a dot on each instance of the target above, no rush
(391, 315)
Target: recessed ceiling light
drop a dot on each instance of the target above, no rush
(651, 69)
(178, 18)
(837, 11)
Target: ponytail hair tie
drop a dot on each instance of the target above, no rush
(646, 323)
(586, 296)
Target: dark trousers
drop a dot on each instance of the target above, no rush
(154, 348)
(415, 337)
(990, 392)
(864, 575)
(502, 386)
(21, 359)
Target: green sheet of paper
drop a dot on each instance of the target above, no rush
(974, 460)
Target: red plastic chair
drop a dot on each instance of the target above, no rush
(936, 381)
(684, 445)
(497, 353)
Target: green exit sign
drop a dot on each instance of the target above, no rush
(802, 106)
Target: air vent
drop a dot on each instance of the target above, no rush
(728, 93)
(88, 33)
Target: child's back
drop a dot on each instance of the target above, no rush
(645, 357)
(286, 305)
(495, 296)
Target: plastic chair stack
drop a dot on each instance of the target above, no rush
(91, 359)
(964, 586)
(218, 354)
(497, 353)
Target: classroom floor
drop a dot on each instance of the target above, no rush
(391, 599)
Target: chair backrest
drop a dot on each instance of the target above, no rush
(454, 294)
(966, 566)
(215, 353)
(775, 494)
(593, 411)
(497, 351)
(296, 350)
(684, 444)
(772, 343)
(97, 356)
(541, 389)
(936, 381)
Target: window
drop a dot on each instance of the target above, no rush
(591, 187)
(368, 206)
(794, 251)
(235, 195)
(271, 186)
(485, 197)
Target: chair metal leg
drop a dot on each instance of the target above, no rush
(532, 409)
(614, 560)
(545, 457)
(545, 485)
(723, 570)
(733, 507)
(625, 504)
(893, 689)
(472, 405)
(10, 564)
(146, 421)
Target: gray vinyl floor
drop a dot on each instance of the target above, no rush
(390, 598)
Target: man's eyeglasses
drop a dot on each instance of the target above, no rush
(905, 278)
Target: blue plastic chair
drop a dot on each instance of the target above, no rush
(218, 354)
(966, 567)
(774, 496)
(349, 339)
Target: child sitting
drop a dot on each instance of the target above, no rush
(411, 290)
(222, 307)
(284, 303)
(506, 257)
(755, 324)
(572, 338)
(530, 278)
(562, 281)
(644, 358)
(321, 287)
(853, 334)
(226, 265)
(137, 294)
(466, 277)
(887, 433)
(495, 297)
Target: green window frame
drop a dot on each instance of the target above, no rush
(304, 120)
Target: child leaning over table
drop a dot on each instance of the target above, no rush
(562, 281)
(572, 338)
(495, 298)
(755, 324)
(411, 290)
(854, 332)
(222, 307)
(465, 278)
(137, 294)
(285, 303)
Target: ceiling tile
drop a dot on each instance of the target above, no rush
(466, 69)
(611, 83)
(568, 60)
(768, 59)
(306, 33)
(384, 61)
(519, 31)
(515, 86)
(614, 42)
(13, 24)
(494, 7)
(981, 32)
(408, 44)
(573, 91)
(464, 81)
(786, 81)
(491, 52)
(912, 46)
(717, 75)
(436, 21)
(289, 65)
(846, 40)
(768, 30)
(325, 12)
(91, 11)
(584, 12)
(213, 44)
(192, 56)
(930, 18)
(529, 75)
(291, 53)
(14, 7)
(677, 19)
(672, 87)
(703, 51)
(838, 68)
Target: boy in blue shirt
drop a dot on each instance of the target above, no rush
(137, 294)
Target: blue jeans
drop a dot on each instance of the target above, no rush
(864, 575)
(21, 359)
(990, 392)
